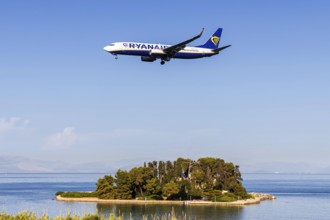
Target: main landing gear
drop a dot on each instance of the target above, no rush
(164, 59)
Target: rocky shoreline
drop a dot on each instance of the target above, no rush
(257, 198)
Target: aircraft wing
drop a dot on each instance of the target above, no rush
(177, 47)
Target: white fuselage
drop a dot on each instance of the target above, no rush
(156, 50)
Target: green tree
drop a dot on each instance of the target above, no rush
(183, 178)
(139, 177)
(161, 171)
(240, 191)
(169, 189)
(153, 166)
(105, 187)
(197, 177)
(169, 172)
(124, 185)
(183, 168)
(152, 187)
(184, 189)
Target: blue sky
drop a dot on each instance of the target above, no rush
(265, 99)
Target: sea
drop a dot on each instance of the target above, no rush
(299, 196)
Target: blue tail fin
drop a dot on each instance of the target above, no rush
(214, 40)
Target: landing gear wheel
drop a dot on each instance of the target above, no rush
(162, 62)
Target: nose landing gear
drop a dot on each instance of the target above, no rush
(162, 62)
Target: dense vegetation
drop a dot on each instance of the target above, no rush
(76, 194)
(33, 216)
(184, 179)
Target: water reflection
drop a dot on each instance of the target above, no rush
(197, 212)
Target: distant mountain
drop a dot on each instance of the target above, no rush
(283, 167)
(326, 170)
(26, 165)
(10, 164)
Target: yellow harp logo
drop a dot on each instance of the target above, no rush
(215, 40)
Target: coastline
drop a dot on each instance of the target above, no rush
(258, 197)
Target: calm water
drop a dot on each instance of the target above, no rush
(299, 197)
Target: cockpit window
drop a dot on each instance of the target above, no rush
(112, 44)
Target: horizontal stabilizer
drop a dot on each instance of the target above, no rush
(221, 48)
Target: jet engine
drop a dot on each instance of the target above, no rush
(148, 58)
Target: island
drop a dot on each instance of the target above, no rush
(185, 181)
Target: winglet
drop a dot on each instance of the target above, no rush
(200, 33)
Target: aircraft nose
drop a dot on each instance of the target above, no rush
(107, 48)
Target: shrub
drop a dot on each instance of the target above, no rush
(151, 197)
(78, 194)
(227, 197)
(59, 193)
(91, 217)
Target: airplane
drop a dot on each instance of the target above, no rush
(151, 52)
